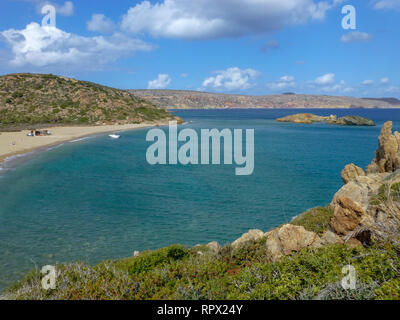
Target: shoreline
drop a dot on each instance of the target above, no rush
(13, 144)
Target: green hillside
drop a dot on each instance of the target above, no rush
(45, 99)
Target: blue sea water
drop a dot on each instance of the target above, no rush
(99, 199)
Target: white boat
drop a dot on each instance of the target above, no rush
(114, 136)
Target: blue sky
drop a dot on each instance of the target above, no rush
(229, 46)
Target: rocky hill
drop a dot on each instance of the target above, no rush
(173, 99)
(45, 99)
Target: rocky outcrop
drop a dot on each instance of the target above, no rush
(364, 206)
(353, 121)
(347, 216)
(214, 246)
(252, 235)
(350, 172)
(387, 157)
(309, 118)
(289, 239)
(360, 190)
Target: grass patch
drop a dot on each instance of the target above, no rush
(317, 220)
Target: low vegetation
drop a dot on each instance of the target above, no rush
(248, 273)
(317, 220)
(28, 100)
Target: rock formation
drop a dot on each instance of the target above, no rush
(309, 118)
(353, 121)
(252, 235)
(214, 246)
(350, 172)
(306, 118)
(288, 239)
(347, 216)
(387, 157)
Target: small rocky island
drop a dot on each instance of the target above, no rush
(309, 118)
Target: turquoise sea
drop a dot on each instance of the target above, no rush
(97, 198)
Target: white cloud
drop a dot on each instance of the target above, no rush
(387, 5)
(208, 19)
(184, 75)
(327, 83)
(348, 90)
(287, 79)
(100, 23)
(326, 79)
(231, 79)
(356, 36)
(333, 88)
(39, 46)
(161, 82)
(385, 80)
(338, 87)
(284, 82)
(393, 89)
(367, 82)
(66, 10)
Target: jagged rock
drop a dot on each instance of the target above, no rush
(353, 121)
(252, 235)
(289, 239)
(347, 216)
(387, 157)
(136, 254)
(350, 172)
(360, 190)
(214, 246)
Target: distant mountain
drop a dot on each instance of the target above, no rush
(44, 99)
(175, 99)
(392, 101)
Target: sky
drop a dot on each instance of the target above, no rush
(257, 47)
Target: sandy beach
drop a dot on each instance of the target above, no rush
(14, 143)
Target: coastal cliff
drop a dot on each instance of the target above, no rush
(301, 259)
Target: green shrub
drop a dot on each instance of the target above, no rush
(148, 260)
(390, 290)
(317, 219)
(177, 273)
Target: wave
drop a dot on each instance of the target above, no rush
(80, 139)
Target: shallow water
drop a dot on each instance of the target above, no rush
(98, 198)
